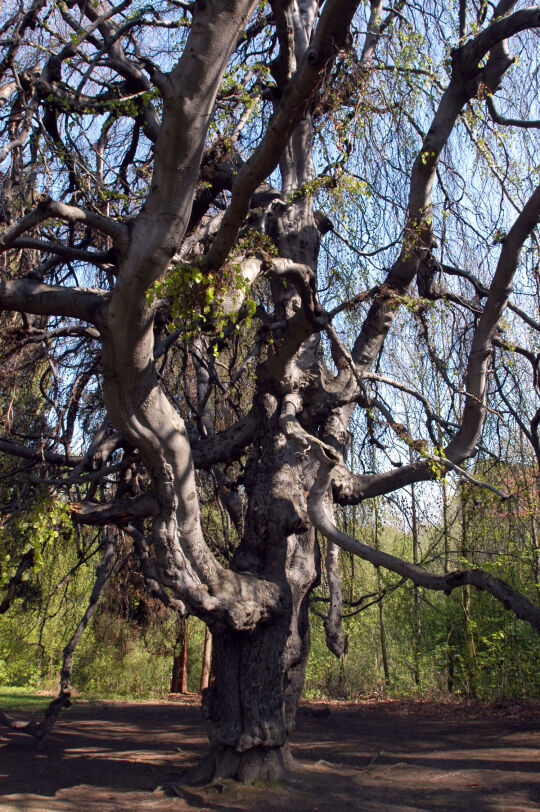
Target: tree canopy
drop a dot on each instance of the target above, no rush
(262, 262)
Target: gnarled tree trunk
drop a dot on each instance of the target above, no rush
(259, 675)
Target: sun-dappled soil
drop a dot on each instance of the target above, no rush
(373, 755)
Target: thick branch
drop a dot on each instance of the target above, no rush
(30, 296)
(463, 443)
(503, 28)
(509, 597)
(151, 577)
(48, 208)
(330, 35)
(38, 454)
(120, 512)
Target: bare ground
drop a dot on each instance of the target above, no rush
(379, 756)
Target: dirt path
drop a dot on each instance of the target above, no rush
(368, 756)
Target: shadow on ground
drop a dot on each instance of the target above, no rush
(367, 756)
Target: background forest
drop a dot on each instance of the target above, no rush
(400, 639)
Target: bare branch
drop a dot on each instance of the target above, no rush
(329, 36)
(64, 251)
(509, 122)
(47, 208)
(30, 296)
(509, 597)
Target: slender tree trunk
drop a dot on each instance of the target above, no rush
(416, 592)
(535, 557)
(449, 624)
(343, 693)
(466, 604)
(382, 627)
(530, 499)
(382, 637)
(469, 643)
(206, 660)
(179, 684)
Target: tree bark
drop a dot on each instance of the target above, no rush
(179, 684)
(258, 676)
(206, 660)
(257, 608)
(252, 703)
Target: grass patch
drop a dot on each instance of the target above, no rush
(21, 699)
(15, 699)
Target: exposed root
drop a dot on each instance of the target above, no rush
(257, 764)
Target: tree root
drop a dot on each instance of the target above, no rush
(257, 764)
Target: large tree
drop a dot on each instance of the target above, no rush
(237, 233)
